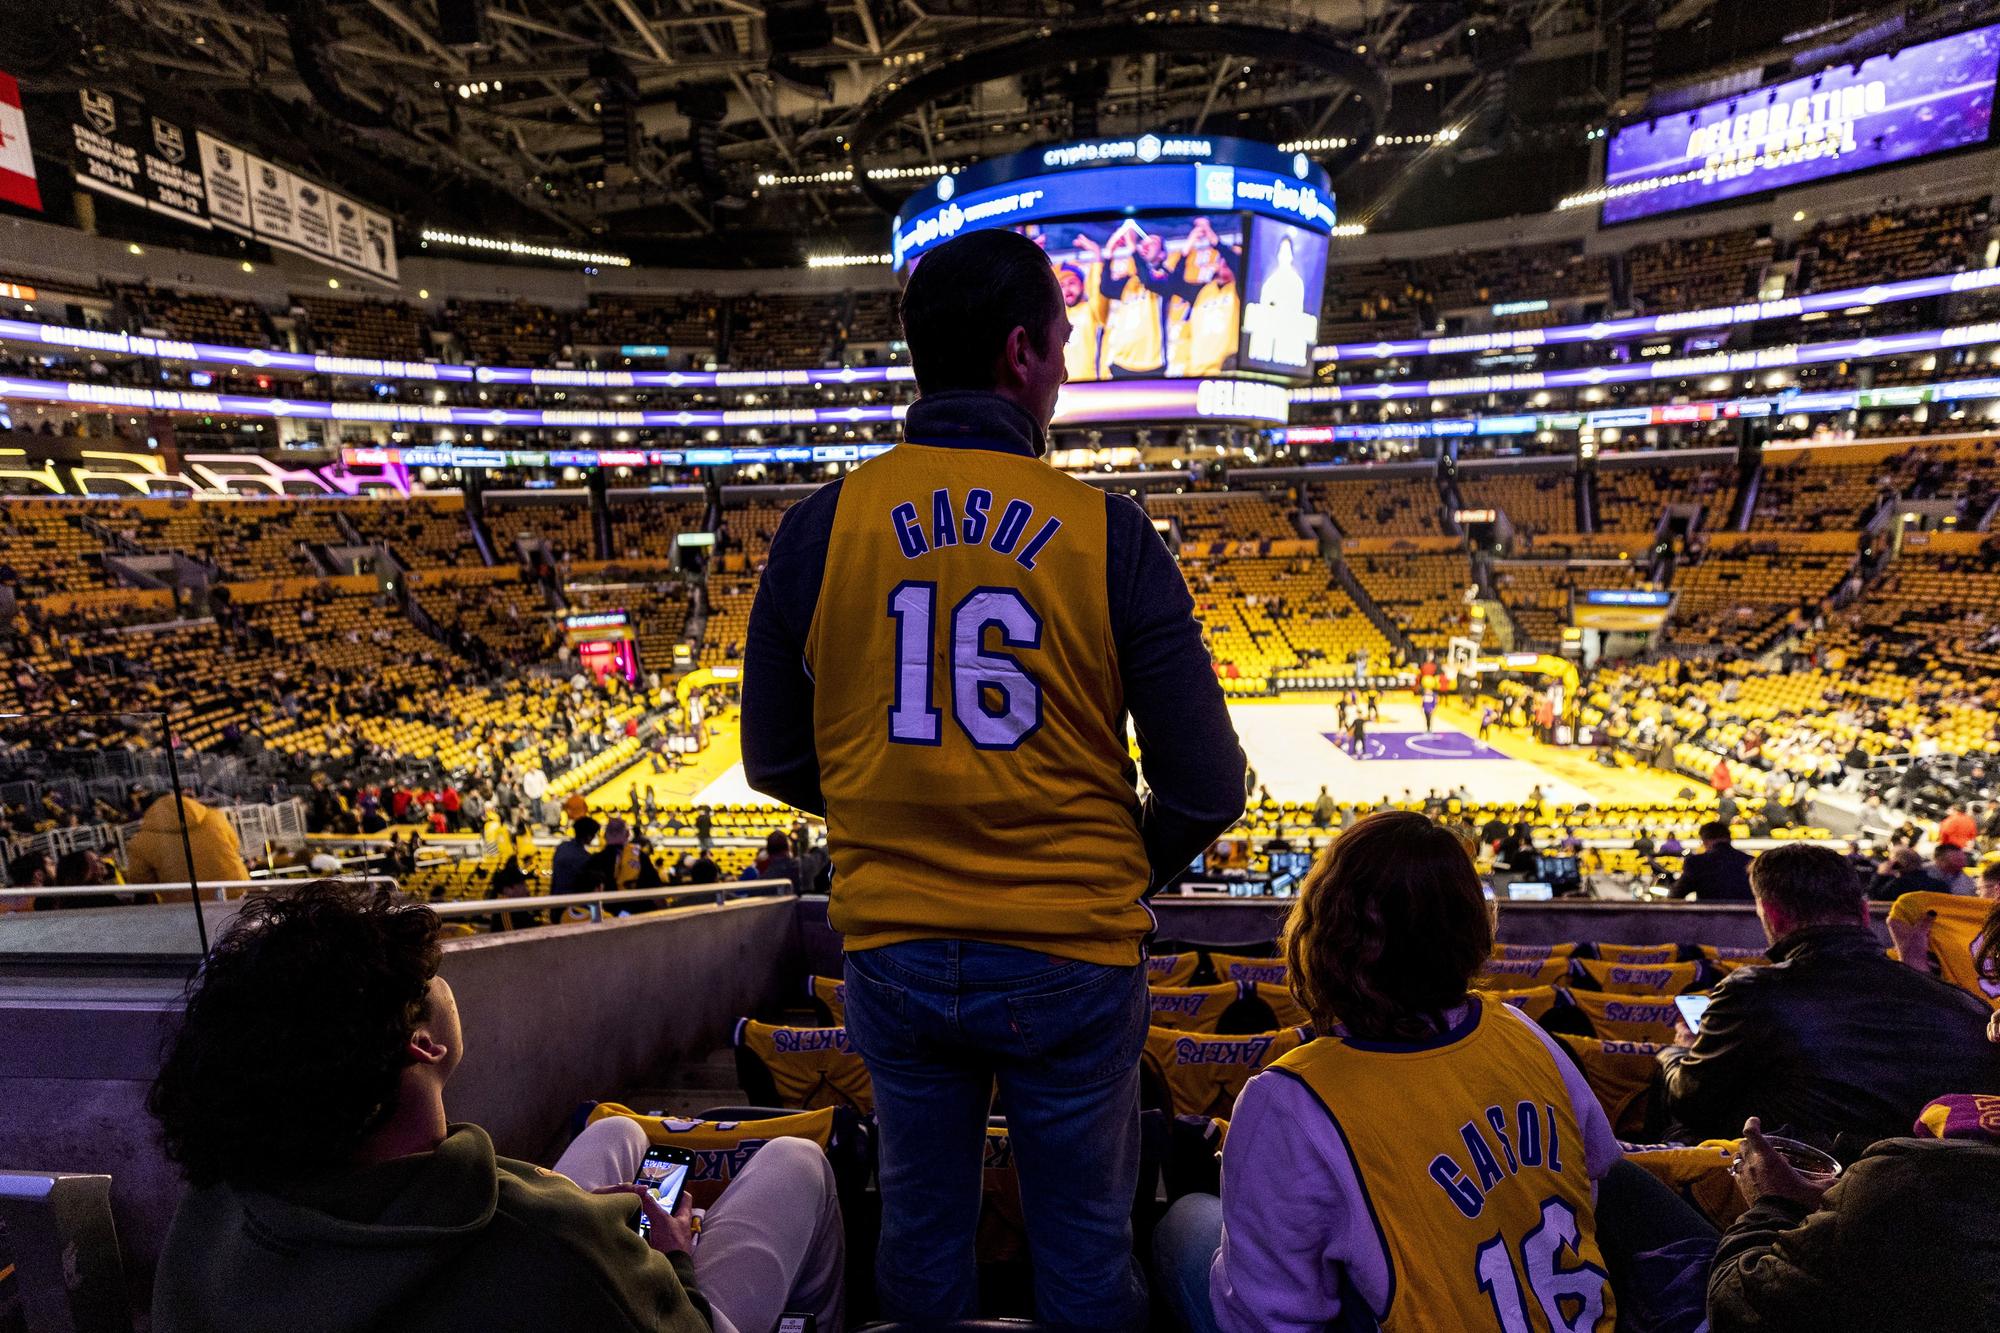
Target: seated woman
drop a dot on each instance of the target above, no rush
(1431, 1160)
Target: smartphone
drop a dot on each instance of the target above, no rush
(1692, 1007)
(663, 1172)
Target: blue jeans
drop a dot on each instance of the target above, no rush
(938, 1023)
(1184, 1246)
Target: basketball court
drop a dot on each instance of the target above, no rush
(1295, 744)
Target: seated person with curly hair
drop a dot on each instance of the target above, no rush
(304, 1100)
(1432, 1160)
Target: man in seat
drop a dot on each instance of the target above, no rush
(304, 1100)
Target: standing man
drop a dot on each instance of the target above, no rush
(941, 658)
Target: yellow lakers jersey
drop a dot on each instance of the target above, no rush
(1242, 967)
(809, 1067)
(1627, 1017)
(830, 993)
(1957, 934)
(1080, 352)
(1520, 973)
(1535, 951)
(1201, 1074)
(1533, 1001)
(966, 710)
(721, 1148)
(1621, 1075)
(1130, 315)
(1472, 1160)
(1191, 1008)
(1212, 329)
(1285, 1006)
(1639, 954)
(1700, 1173)
(1639, 978)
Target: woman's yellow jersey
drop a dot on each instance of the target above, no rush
(1471, 1159)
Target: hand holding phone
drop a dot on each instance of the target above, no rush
(1692, 1007)
(666, 1212)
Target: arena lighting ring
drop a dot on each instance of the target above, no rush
(1262, 35)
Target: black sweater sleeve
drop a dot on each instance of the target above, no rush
(1187, 744)
(779, 757)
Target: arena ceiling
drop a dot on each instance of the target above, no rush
(506, 116)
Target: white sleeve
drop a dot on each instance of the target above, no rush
(1296, 1220)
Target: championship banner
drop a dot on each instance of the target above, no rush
(121, 149)
(17, 160)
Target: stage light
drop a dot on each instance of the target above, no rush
(848, 261)
(524, 249)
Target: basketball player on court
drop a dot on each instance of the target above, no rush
(942, 655)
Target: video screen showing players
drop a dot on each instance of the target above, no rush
(1148, 297)
(1283, 288)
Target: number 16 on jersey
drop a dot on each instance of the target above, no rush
(995, 699)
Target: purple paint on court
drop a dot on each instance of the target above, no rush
(1389, 745)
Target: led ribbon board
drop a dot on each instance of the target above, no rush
(1112, 177)
(1108, 401)
(1677, 321)
(1921, 100)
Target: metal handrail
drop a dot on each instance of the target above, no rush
(717, 893)
(722, 891)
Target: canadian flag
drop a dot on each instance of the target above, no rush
(17, 161)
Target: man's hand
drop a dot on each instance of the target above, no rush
(1913, 940)
(1993, 1028)
(1761, 1169)
(1683, 1034)
(669, 1233)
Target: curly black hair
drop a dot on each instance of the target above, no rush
(293, 1042)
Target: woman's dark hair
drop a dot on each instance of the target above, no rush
(294, 1038)
(1389, 927)
(966, 296)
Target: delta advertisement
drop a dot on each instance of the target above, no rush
(120, 149)
(1925, 99)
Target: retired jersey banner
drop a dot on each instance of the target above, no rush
(17, 160)
(121, 149)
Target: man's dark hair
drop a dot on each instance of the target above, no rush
(778, 844)
(966, 296)
(1810, 883)
(585, 829)
(295, 1034)
(1713, 831)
